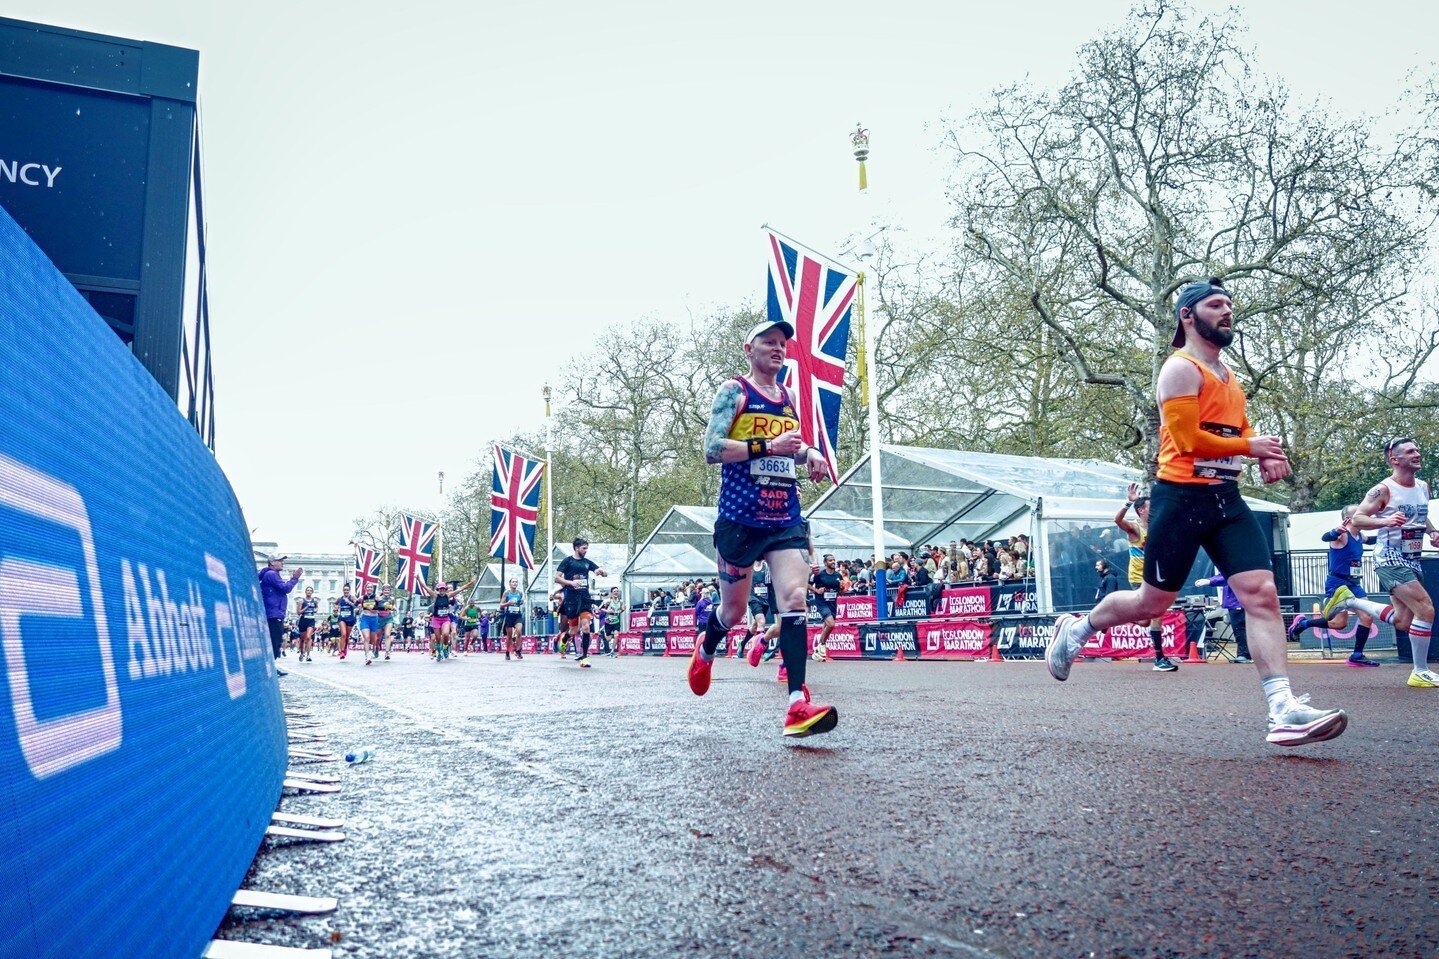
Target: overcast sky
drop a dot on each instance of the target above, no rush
(446, 201)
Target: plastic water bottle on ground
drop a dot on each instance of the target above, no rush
(362, 755)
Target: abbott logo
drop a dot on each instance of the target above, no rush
(29, 589)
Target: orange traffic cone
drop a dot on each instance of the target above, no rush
(899, 655)
(994, 656)
(1191, 651)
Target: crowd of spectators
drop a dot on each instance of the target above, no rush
(961, 563)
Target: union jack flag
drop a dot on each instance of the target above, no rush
(816, 297)
(367, 568)
(514, 507)
(417, 549)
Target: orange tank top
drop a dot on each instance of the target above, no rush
(1221, 412)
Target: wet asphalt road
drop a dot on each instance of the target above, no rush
(960, 809)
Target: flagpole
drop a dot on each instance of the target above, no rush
(868, 342)
(549, 497)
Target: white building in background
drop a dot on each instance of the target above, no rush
(325, 572)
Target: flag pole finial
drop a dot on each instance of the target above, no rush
(860, 140)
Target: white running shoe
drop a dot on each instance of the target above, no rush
(1059, 656)
(1302, 723)
(1423, 679)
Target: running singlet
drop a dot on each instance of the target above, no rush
(385, 607)
(1347, 561)
(442, 604)
(761, 492)
(345, 606)
(471, 616)
(1221, 412)
(1136, 559)
(759, 585)
(514, 602)
(308, 607)
(1402, 546)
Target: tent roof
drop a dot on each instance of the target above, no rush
(937, 495)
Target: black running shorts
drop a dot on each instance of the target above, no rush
(1187, 517)
(743, 546)
(826, 610)
(576, 604)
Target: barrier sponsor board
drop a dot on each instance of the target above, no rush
(960, 639)
(855, 609)
(656, 642)
(639, 620)
(964, 601)
(1023, 639)
(682, 619)
(884, 640)
(680, 642)
(913, 607)
(141, 730)
(630, 643)
(1018, 597)
(1131, 640)
(843, 641)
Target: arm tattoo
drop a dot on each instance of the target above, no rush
(722, 415)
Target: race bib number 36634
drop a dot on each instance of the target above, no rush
(775, 469)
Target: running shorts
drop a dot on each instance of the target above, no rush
(576, 605)
(826, 610)
(1332, 582)
(512, 620)
(1392, 576)
(348, 620)
(370, 624)
(437, 621)
(742, 546)
(1187, 517)
(756, 606)
(306, 622)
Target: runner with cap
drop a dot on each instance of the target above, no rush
(754, 433)
(577, 605)
(1204, 436)
(1397, 509)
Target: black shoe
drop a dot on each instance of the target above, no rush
(280, 672)
(1165, 665)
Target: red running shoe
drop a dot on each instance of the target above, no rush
(806, 719)
(699, 672)
(783, 676)
(756, 649)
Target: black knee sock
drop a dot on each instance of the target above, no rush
(584, 645)
(1361, 636)
(715, 630)
(792, 636)
(1156, 636)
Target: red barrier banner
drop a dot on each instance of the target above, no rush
(682, 619)
(964, 602)
(734, 638)
(855, 609)
(529, 644)
(1131, 640)
(961, 640)
(679, 642)
(630, 643)
(843, 642)
(639, 620)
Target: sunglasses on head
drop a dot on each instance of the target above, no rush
(1396, 441)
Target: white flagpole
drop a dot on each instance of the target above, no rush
(549, 492)
(869, 339)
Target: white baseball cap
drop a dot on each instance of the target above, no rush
(760, 329)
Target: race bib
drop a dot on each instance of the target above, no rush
(1356, 570)
(1411, 542)
(830, 596)
(1223, 467)
(773, 469)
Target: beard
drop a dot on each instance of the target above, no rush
(1213, 334)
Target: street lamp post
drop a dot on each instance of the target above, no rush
(549, 499)
(868, 340)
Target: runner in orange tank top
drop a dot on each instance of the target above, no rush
(1204, 437)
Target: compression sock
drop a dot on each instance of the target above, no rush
(792, 648)
(1361, 636)
(1276, 691)
(715, 630)
(1419, 633)
(585, 646)
(1156, 636)
(1384, 614)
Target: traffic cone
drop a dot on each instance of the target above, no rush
(994, 656)
(899, 655)
(1191, 649)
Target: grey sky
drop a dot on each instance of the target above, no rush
(404, 192)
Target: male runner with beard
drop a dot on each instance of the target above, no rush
(1204, 436)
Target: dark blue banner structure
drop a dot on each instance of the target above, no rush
(142, 740)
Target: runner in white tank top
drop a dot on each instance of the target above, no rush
(1397, 510)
